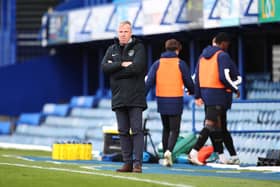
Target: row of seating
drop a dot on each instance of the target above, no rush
(264, 85)
(81, 123)
(255, 105)
(262, 89)
(263, 94)
(255, 116)
(53, 109)
(254, 145)
(253, 112)
(49, 131)
(76, 121)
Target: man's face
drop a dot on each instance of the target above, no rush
(124, 33)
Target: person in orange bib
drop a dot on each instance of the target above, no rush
(216, 78)
(170, 75)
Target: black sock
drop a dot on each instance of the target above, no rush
(229, 143)
(203, 136)
(217, 141)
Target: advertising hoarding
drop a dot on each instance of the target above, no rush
(269, 11)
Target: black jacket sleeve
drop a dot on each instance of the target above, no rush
(109, 65)
(138, 63)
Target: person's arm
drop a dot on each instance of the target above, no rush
(151, 77)
(188, 83)
(225, 72)
(109, 65)
(235, 75)
(197, 93)
(199, 101)
(136, 66)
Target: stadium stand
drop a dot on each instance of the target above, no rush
(27, 25)
(254, 126)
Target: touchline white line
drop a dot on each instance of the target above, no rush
(98, 174)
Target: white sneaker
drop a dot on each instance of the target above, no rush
(192, 157)
(222, 159)
(218, 161)
(233, 160)
(168, 158)
(164, 162)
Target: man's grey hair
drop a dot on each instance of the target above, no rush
(125, 23)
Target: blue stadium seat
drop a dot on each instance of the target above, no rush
(186, 126)
(104, 113)
(5, 127)
(83, 102)
(187, 99)
(104, 103)
(56, 109)
(96, 133)
(41, 141)
(77, 122)
(30, 119)
(152, 105)
(97, 144)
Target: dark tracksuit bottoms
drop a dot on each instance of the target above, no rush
(131, 118)
(224, 134)
(170, 131)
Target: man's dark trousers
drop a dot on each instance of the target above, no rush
(131, 142)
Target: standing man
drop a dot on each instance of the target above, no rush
(215, 79)
(125, 63)
(170, 75)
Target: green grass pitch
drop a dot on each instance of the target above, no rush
(15, 171)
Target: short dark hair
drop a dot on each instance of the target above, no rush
(173, 45)
(221, 37)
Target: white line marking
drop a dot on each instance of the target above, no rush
(98, 174)
(251, 168)
(228, 171)
(25, 146)
(17, 157)
(90, 167)
(54, 162)
(180, 169)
